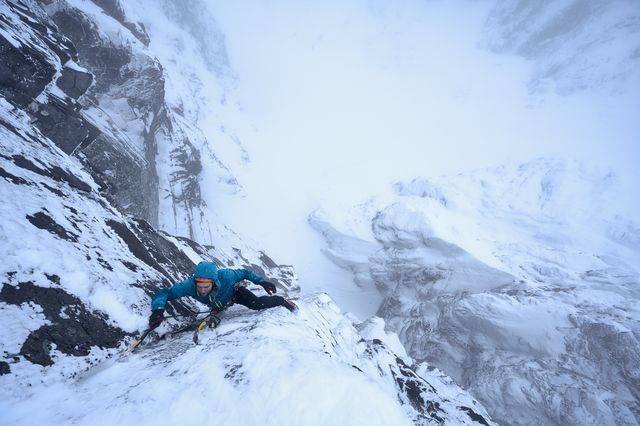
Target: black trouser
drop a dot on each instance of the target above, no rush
(245, 297)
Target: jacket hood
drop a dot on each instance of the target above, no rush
(206, 270)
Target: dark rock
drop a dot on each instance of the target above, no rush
(4, 368)
(46, 32)
(165, 252)
(114, 9)
(99, 56)
(26, 70)
(61, 121)
(54, 190)
(434, 410)
(123, 175)
(43, 221)
(24, 73)
(413, 386)
(132, 267)
(73, 329)
(474, 416)
(104, 263)
(74, 82)
(12, 178)
(268, 262)
(12, 129)
(135, 245)
(55, 279)
(21, 161)
(59, 174)
(131, 180)
(55, 172)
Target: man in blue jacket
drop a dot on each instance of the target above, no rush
(217, 289)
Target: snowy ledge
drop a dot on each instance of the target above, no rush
(268, 367)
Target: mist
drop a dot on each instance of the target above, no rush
(343, 98)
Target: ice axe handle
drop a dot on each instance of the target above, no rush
(139, 340)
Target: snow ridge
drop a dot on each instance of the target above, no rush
(266, 367)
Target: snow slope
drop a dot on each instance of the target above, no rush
(520, 281)
(269, 367)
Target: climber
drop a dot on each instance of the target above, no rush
(218, 289)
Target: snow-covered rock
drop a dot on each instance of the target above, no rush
(77, 274)
(520, 282)
(268, 367)
(99, 87)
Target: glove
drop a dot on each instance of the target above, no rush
(268, 287)
(156, 318)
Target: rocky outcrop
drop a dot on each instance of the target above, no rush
(123, 155)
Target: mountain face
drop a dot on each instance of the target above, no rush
(89, 135)
(521, 282)
(98, 92)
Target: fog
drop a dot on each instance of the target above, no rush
(345, 97)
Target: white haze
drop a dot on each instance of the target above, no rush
(345, 97)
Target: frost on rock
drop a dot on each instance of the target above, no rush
(520, 282)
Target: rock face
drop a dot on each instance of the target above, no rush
(85, 75)
(520, 282)
(77, 274)
(123, 152)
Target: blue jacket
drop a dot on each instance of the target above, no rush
(219, 298)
